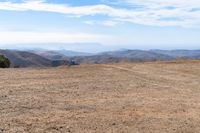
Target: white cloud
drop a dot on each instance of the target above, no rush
(90, 22)
(40, 6)
(109, 23)
(44, 37)
(183, 13)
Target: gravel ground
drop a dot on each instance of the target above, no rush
(154, 97)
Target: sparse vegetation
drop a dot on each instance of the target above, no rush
(56, 63)
(17, 66)
(4, 62)
(72, 63)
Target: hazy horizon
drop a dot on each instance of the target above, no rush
(85, 47)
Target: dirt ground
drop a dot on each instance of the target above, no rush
(154, 97)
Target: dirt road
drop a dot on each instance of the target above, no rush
(123, 98)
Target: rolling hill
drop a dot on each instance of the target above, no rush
(51, 55)
(25, 59)
(122, 56)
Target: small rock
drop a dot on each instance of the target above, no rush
(114, 124)
(1, 130)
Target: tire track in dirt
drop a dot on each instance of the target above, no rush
(139, 76)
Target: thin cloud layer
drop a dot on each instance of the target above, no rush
(182, 13)
(177, 3)
(11, 37)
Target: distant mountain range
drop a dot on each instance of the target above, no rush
(137, 56)
(58, 54)
(180, 54)
(49, 58)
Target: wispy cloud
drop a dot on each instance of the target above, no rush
(150, 12)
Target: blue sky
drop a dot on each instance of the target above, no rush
(136, 24)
